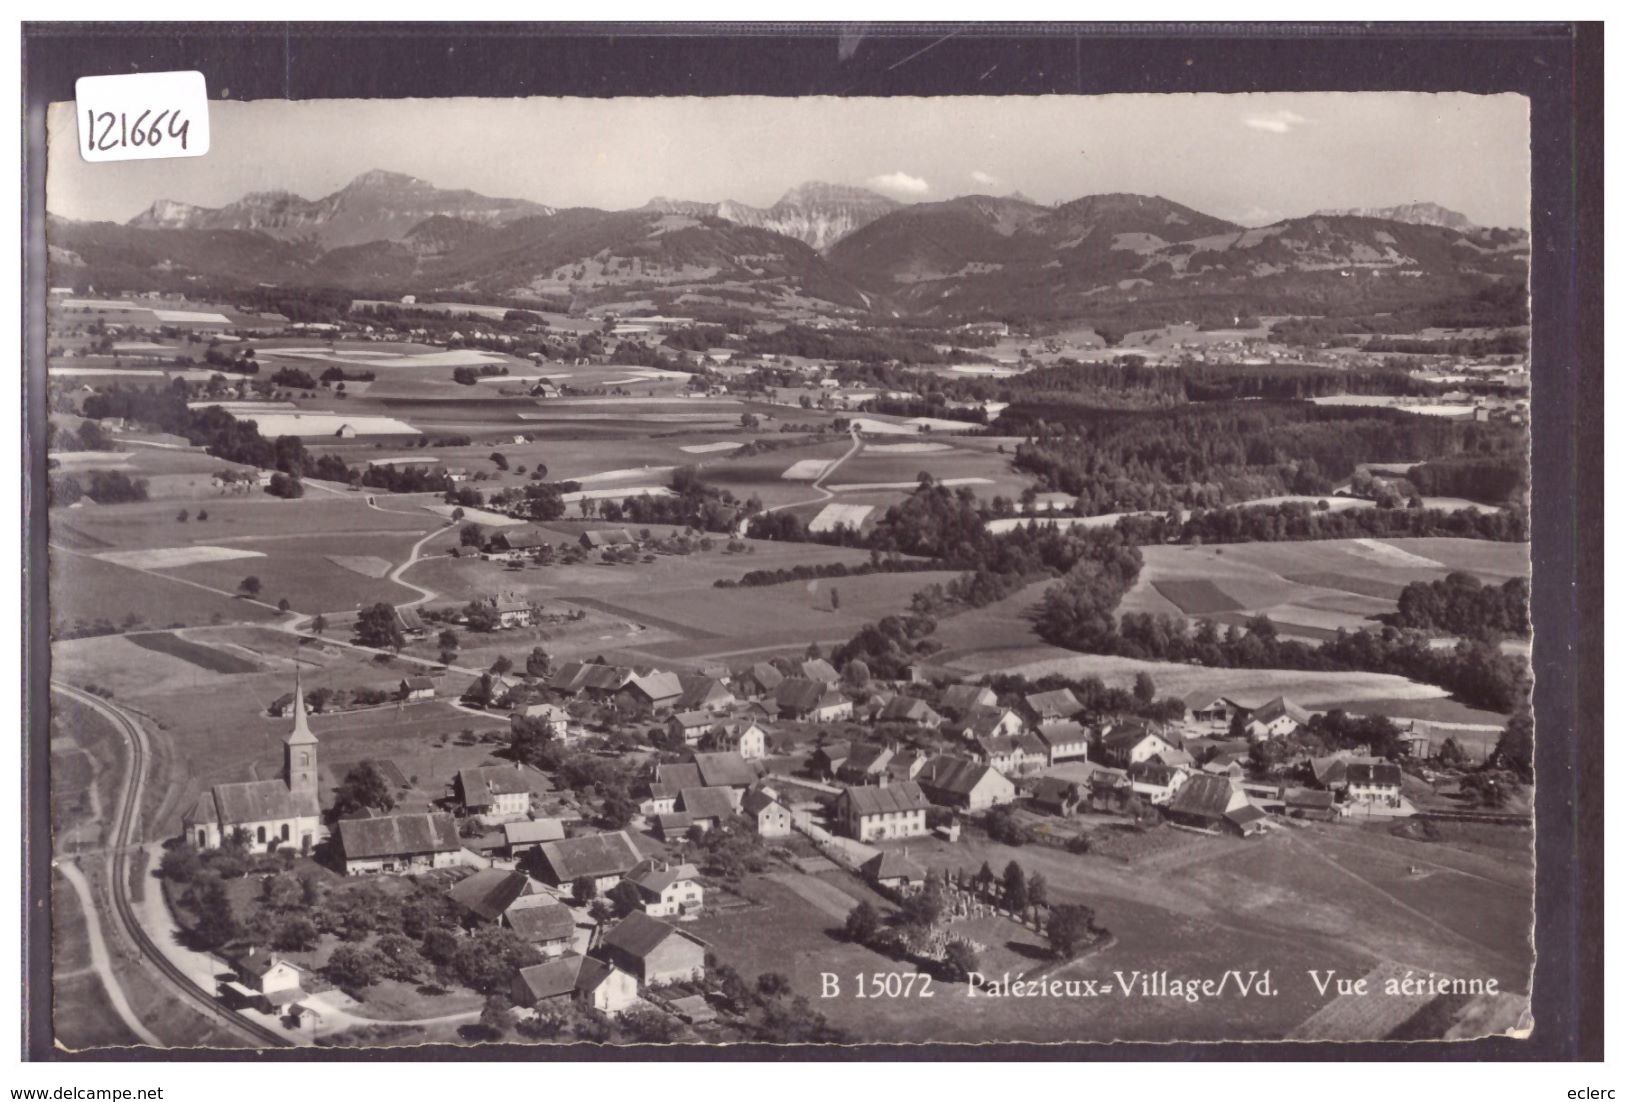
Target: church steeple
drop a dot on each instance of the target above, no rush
(299, 748)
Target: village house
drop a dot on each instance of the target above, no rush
(990, 723)
(964, 784)
(1204, 709)
(554, 719)
(1046, 707)
(866, 763)
(263, 981)
(963, 699)
(1374, 784)
(760, 679)
(410, 842)
(519, 838)
(543, 922)
(666, 889)
(517, 544)
(588, 679)
(512, 611)
(907, 709)
(1012, 755)
(878, 812)
(417, 687)
(1065, 740)
(587, 981)
(653, 951)
(650, 693)
(748, 740)
(703, 694)
(1204, 801)
(689, 727)
(601, 858)
(672, 826)
(1123, 744)
(906, 764)
(285, 811)
(1275, 719)
(1058, 796)
(724, 769)
(707, 808)
(1156, 781)
(607, 537)
(410, 623)
(894, 871)
(817, 669)
(483, 897)
(826, 759)
(1309, 803)
(767, 816)
(814, 701)
(493, 793)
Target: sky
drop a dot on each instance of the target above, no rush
(1252, 159)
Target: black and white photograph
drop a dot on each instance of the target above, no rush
(790, 570)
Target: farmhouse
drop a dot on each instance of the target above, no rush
(269, 813)
(767, 816)
(1374, 784)
(1275, 719)
(666, 889)
(964, 784)
(492, 793)
(483, 897)
(518, 544)
(724, 769)
(1057, 796)
(707, 808)
(417, 687)
(990, 723)
(653, 692)
(1309, 803)
(1123, 744)
(905, 765)
(671, 826)
(1049, 706)
(816, 669)
(906, 709)
(1157, 781)
(521, 837)
(410, 623)
(759, 679)
(827, 759)
(865, 764)
(406, 843)
(1066, 740)
(513, 612)
(584, 980)
(802, 698)
(748, 740)
(1204, 801)
(555, 720)
(589, 679)
(701, 693)
(607, 537)
(873, 812)
(543, 922)
(653, 951)
(677, 775)
(601, 858)
(894, 871)
(963, 699)
(1207, 710)
(689, 727)
(1012, 755)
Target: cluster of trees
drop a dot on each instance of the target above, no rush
(102, 487)
(1488, 478)
(1460, 604)
(1292, 521)
(888, 648)
(891, 564)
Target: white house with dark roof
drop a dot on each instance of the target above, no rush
(407, 843)
(271, 813)
(601, 858)
(871, 812)
(588, 981)
(493, 793)
(666, 888)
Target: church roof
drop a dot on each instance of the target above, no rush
(258, 801)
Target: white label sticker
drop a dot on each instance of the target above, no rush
(142, 116)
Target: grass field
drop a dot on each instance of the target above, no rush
(84, 591)
(218, 661)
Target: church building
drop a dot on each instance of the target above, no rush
(266, 814)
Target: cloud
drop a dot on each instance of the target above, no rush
(899, 183)
(986, 179)
(1275, 122)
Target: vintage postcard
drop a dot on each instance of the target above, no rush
(791, 570)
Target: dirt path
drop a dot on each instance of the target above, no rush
(100, 960)
(817, 484)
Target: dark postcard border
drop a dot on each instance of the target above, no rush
(1559, 66)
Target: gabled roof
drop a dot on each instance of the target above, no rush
(673, 821)
(524, 538)
(1203, 796)
(489, 892)
(544, 921)
(418, 683)
(706, 803)
(816, 669)
(638, 935)
(481, 784)
(532, 831)
(607, 537)
(1313, 798)
(1066, 732)
(767, 676)
(658, 686)
(408, 619)
(890, 864)
(867, 757)
(725, 768)
(1056, 790)
(834, 751)
(399, 835)
(1059, 702)
(1246, 813)
(907, 708)
(1272, 710)
(692, 719)
(965, 697)
(757, 800)
(593, 855)
(678, 775)
(953, 775)
(699, 691)
(574, 677)
(656, 876)
(562, 976)
(1375, 773)
(1123, 736)
(872, 800)
(800, 694)
(258, 801)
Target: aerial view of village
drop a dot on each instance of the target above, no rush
(1010, 593)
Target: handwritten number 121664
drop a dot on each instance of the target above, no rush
(110, 130)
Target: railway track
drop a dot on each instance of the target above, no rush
(118, 871)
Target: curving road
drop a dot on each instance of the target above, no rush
(118, 879)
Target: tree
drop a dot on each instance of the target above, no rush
(501, 665)
(834, 599)
(959, 961)
(538, 663)
(472, 535)
(1516, 747)
(772, 985)
(285, 486)
(1145, 689)
(1037, 894)
(496, 1015)
(646, 1025)
(984, 878)
(857, 672)
(1015, 888)
(1070, 927)
(378, 626)
(353, 966)
(203, 514)
(480, 616)
(283, 604)
(180, 864)
(296, 934)
(249, 586)
(182, 516)
(364, 787)
(583, 890)
(862, 923)
(319, 624)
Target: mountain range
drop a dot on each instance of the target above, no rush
(819, 248)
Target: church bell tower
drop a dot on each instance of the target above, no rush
(299, 750)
